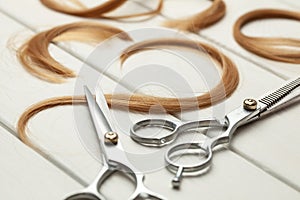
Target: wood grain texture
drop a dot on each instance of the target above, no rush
(235, 8)
(56, 131)
(26, 175)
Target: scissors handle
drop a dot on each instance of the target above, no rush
(142, 192)
(152, 123)
(203, 149)
(174, 128)
(92, 191)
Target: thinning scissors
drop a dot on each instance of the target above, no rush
(250, 110)
(113, 154)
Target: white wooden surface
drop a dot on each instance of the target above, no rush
(262, 162)
(26, 175)
(221, 32)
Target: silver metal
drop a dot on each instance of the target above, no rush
(175, 128)
(114, 156)
(278, 99)
(177, 179)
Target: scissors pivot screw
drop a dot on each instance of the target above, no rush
(111, 138)
(250, 104)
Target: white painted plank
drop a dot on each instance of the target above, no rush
(231, 176)
(85, 53)
(20, 89)
(177, 9)
(268, 135)
(26, 175)
(235, 8)
(58, 128)
(290, 3)
(32, 90)
(49, 18)
(249, 72)
(85, 166)
(254, 82)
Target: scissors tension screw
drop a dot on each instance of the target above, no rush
(111, 138)
(250, 104)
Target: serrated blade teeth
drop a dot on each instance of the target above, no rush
(276, 96)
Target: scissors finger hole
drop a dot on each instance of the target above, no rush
(125, 187)
(190, 156)
(154, 123)
(83, 196)
(152, 130)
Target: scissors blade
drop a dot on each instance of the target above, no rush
(280, 98)
(100, 123)
(270, 102)
(102, 126)
(102, 103)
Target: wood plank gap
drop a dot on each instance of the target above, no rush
(9, 128)
(62, 48)
(236, 151)
(226, 48)
(47, 157)
(265, 169)
(250, 160)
